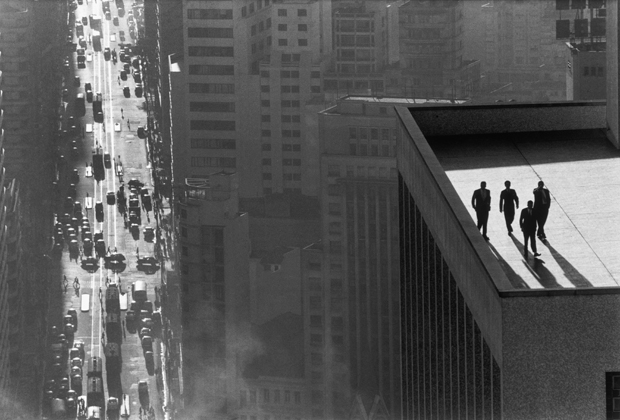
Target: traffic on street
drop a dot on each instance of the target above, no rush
(104, 354)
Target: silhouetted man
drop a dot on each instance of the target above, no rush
(481, 202)
(507, 201)
(542, 201)
(527, 221)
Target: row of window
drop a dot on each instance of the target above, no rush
(285, 133)
(209, 14)
(209, 32)
(262, 25)
(200, 51)
(301, 42)
(274, 396)
(216, 125)
(364, 54)
(287, 177)
(197, 143)
(291, 74)
(215, 88)
(269, 191)
(211, 70)
(283, 88)
(283, 104)
(363, 133)
(355, 40)
(301, 27)
(594, 71)
(212, 106)
(212, 162)
(259, 5)
(355, 26)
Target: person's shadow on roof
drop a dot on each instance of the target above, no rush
(537, 268)
(515, 279)
(570, 272)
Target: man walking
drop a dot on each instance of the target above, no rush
(542, 201)
(507, 201)
(527, 221)
(481, 202)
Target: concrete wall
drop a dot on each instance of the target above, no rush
(468, 256)
(509, 118)
(556, 352)
(613, 95)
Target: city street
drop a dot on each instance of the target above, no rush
(115, 136)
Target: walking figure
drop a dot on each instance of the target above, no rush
(481, 202)
(121, 111)
(128, 125)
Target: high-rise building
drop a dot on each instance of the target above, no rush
(227, 116)
(432, 64)
(521, 57)
(488, 329)
(214, 254)
(586, 73)
(360, 242)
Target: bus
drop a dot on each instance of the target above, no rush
(80, 105)
(96, 39)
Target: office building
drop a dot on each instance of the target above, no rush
(233, 52)
(521, 59)
(432, 64)
(586, 71)
(214, 252)
(488, 331)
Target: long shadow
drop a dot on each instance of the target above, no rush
(537, 267)
(572, 274)
(515, 279)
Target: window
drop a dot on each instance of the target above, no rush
(268, 23)
(212, 107)
(266, 147)
(244, 11)
(282, 27)
(217, 125)
(264, 88)
(281, 12)
(265, 133)
(211, 69)
(184, 251)
(266, 162)
(315, 89)
(199, 143)
(252, 397)
(253, 30)
(302, 27)
(315, 74)
(287, 396)
(265, 118)
(586, 71)
(600, 72)
(210, 32)
(316, 321)
(302, 12)
(266, 395)
(207, 162)
(282, 42)
(333, 170)
(276, 396)
(315, 340)
(217, 88)
(209, 14)
(297, 397)
(265, 103)
(264, 73)
(266, 176)
(303, 42)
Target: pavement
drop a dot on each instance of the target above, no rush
(581, 169)
(124, 146)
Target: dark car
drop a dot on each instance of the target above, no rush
(106, 53)
(106, 161)
(115, 20)
(111, 198)
(137, 77)
(76, 81)
(126, 91)
(141, 132)
(138, 90)
(99, 211)
(123, 75)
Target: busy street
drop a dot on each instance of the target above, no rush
(104, 349)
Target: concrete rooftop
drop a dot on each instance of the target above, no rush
(581, 170)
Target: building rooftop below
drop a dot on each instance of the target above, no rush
(580, 168)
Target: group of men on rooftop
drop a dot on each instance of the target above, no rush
(535, 215)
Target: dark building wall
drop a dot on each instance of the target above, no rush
(556, 354)
(450, 309)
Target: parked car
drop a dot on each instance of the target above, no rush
(99, 211)
(126, 91)
(111, 198)
(143, 394)
(106, 53)
(107, 161)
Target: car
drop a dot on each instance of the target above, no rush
(106, 161)
(126, 91)
(108, 15)
(126, 67)
(98, 235)
(138, 90)
(117, 127)
(145, 331)
(106, 53)
(137, 77)
(84, 20)
(89, 56)
(111, 198)
(65, 94)
(147, 343)
(81, 51)
(76, 361)
(141, 132)
(143, 394)
(130, 316)
(115, 20)
(76, 370)
(123, 74)
(146, 323)
(71, 190)
(99, 211)
(76, 81)
(79, 344)
(73, 313)
(82, 42)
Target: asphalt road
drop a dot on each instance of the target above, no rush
(123, 145)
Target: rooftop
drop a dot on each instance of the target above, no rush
(582, 171)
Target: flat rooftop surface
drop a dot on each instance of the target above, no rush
(581, 169)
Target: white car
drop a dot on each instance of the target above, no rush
(117, 127)
(89, 56)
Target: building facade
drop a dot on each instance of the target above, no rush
(586, 75)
